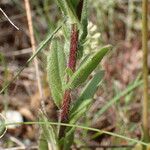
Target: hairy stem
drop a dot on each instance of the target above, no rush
(72, 66)
(145, 68)
(64, 114)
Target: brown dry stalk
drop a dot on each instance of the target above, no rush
(31, 33)
(9, 19)
(145, 69)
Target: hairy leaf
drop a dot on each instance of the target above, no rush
(85, 70)
(56, 69)
(43, 144)
(49, 133)
(69, 10)
(61, 62)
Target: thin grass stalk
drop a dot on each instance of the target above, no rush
(33, 43)
(130, 20)
(145, 69)
(39, 49)
(111, 12)
(80, 127)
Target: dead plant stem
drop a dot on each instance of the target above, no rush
(31, 32)
(145, 68)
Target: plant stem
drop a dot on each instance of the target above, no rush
(71, 65)
(73, 47)
(64, 114)
(145, 68)
(33, 43)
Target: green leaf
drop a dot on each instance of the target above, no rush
(83, 29)
(69, 10)
(48, 133)
(61, 62)
(2, 126)
(43, 144)
(69, 72)
(68, 139)
(85, 99)
(85, 70)
(39, 49)
(75, 3)
(80, 107)
(84, 26)
(56, 70)
(84, 22)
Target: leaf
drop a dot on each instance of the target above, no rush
(80, 107)
(43, 144)
(69, 72)
(84, 26)
(39, 49)
(84, 22)
(3, 127)
(61, 62)
(69, 138)
(85, 70)
(49, 133)
(75, 3)
(86, 97)
(69, 10)
(56, 70)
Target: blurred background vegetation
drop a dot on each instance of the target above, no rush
(117, 22)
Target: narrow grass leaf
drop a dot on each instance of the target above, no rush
(39, 49)
(129, 89)
(85, 70)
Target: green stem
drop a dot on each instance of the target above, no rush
(81, 127)
(145, 68)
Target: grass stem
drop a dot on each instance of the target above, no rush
(145, 68)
